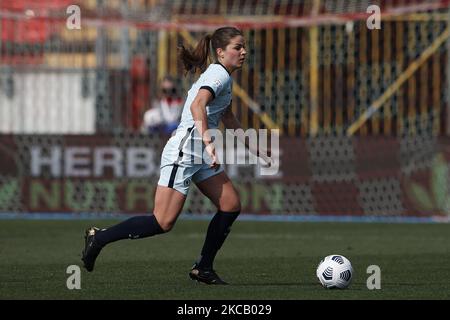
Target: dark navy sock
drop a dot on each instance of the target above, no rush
(218, 230)
(133, 228)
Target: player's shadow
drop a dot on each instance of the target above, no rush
(268, 284)
(304, 285)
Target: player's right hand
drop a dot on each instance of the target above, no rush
(211, 150)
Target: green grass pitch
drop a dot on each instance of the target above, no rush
(261, 260)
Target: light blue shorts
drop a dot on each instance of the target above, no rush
(180, 176)
(178, 168)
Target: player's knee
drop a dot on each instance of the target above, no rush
(233, 205)
(166, 226)
(237, 203)
(236, 207)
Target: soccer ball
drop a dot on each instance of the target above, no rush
(335, 271)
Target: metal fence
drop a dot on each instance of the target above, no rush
(313, 66)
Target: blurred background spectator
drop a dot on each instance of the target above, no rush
(164, 115)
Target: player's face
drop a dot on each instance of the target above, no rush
(234, 53)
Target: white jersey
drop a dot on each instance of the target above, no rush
(218, 81)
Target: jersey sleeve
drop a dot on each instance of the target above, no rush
(214, 82)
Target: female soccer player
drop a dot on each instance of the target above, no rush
(208, 102)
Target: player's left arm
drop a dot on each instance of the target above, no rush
(229, 119)
(231, 122)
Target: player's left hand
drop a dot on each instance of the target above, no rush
(265, 156)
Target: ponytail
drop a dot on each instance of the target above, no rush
(197, 58)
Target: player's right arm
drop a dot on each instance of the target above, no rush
(198, 110)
